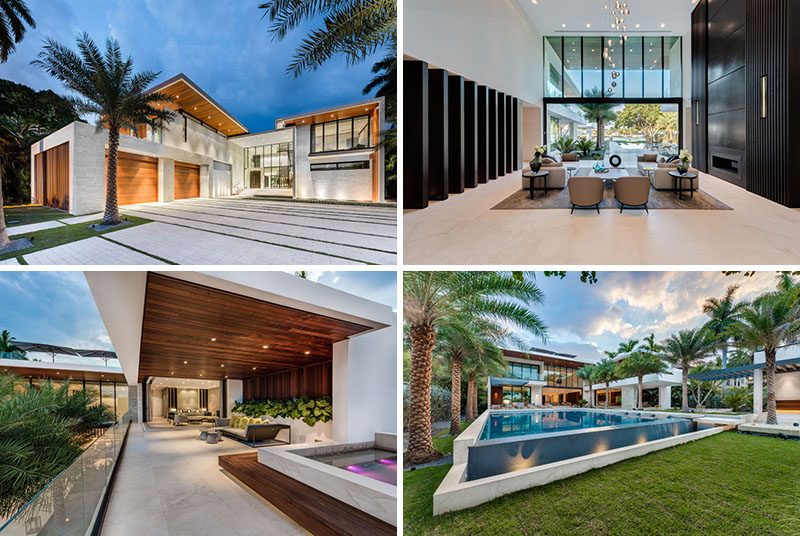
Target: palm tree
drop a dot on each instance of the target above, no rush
(639, 364)
(14, 14)
(605, 371)
(586, 373)
(354, 29)
(771, 320)
(9, 350)
(626, 347)
(598, 112)
(685, 350)
(490, 362)
(108, 88)
(434, 299)
(724, 315)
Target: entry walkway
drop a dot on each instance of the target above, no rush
(169, 483)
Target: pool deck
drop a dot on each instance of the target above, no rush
(770, 429)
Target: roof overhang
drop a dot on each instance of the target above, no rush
(193, 101)
(367, 107)
(60, 371)
(745, 371)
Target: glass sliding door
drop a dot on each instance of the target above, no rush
(592, 67)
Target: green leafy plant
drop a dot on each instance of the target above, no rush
(585, 145)
(739, 399)
(565, 144)
(583, 402)
(309, 410)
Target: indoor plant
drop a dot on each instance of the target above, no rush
(538, 152)
(684, 159)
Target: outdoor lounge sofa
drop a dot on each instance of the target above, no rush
(252, 430)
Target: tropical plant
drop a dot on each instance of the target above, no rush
(490, 362)
(771, 320)
(14, 15)
(9, 350)
(723, 316)
(647, 119)
(354, 29)
(109, 88)
(599, 113)
(309, 410)
(605, 371)
(434, 299)
(739, 357)
(585, 145)
(582, 403)
(638, 364)
(385, 84)
(711, 388)
(565, 144)
(739, 399)
(684, 351)
(586, 373)
(440, 404)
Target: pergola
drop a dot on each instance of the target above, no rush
(745, 371)
(54, 350)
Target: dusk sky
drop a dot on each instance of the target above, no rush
(223, 46)
(58, 308)
(586, 319)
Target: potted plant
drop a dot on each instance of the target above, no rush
(538, 152)
(684, 159)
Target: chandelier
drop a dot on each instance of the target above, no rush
(616, 15)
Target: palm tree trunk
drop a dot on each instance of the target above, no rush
(698, 395)
(684, 389)
(772, 408)
(724, 364)
(4, 240)
(641, 405)
(455, 394)
(474, 398)
(601, 132)
(470, 396)
(420, 445)
(111, 215)
(607, 394)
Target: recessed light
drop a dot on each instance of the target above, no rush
(195, 107)
(213, 339)
(172, 373)
(588, 25)
(563, 25)
(307, 352)
(177, 96)
(201, 374)
(663, 25)
(226, 375)
(223, 365)
(185, 362)
(638, 25)
(254, 368)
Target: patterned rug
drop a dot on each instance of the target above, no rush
(659, 199)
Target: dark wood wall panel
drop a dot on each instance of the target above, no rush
(455, 141)
(492, 134)
(501, 133)
(55, 177)
(415, 134)
(729, 57)
(438, 156)
(517, 144)
(470, 134)
(313, 381)
(483, 134)
(699, 54)
(509, 133)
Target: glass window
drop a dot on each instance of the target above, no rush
(122, 399)
(254, 156)
(361, 133)
(330, 137)
(652, 67)
(552, 67)
(672, 67)
(107, 395)
(612, 83)
(633, 67)
(93, 392)
(592, 66)
(345, 134)
(572, 67)
(316, 138)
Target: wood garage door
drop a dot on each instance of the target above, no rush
(187, 181)
(52, 177)
(137, 179)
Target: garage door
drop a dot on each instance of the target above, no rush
(187, 181)
(137, 179)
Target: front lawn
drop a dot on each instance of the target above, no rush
(64, 234)
(726, 484)
(23, 215)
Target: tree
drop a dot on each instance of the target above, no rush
(354, 29)
(599, 113)
(433, 299)
(9, 350)
(685, 350)
(697, 387)
(771, 320)
(645, 118)
(586, 373)
(723, 316)
(490, 362)
(638, 364)
(605, 371)
(108, 88)
(14, 15)
(385, 84)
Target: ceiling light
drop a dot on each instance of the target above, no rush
(195, 107)
(223, 365)
(185, 362)
(638, 25)
(177, 96)
(226, 375)
(254, 368)
(307, 352)
(209, 117)
(172, 373)
(213, 339)
(265, 346)
(588, 25)
(563, 25)
(663, 25)
(201, 374)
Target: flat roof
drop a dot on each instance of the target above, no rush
(334, 112)
(547, 356)
(745, 371)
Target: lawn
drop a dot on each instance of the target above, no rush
(443, 442)
(726, 484)
(57, 236)
(24, 215)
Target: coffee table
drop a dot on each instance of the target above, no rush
(677, 180)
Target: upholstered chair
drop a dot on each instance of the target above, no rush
(585, 192)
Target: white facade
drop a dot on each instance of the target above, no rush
(629, 386)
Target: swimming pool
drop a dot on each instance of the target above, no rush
(373, 463)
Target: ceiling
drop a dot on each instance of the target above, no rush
(64, 374)
(331, 115)
(549, 16)
(183, 383)
(194, 331)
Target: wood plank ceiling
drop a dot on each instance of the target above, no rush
(343, 113)
(194, 102)
(191, 331)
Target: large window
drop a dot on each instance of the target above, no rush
(523, 371)
(560, 376)
(513, 394)
(611, 67)
(341, 135)
(270, 166)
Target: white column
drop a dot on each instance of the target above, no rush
(135, 402)
(628, 396)
(166, 180)
(234, 394)
(204, 181)
(758, 391)
(665, 396)
(536, 395)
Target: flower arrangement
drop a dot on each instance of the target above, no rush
(538, 152)
(685, 158)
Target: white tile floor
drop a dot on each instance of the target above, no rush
(32, 227)
(94, 250)
(10, 262)
(169, 483)
(464, 230)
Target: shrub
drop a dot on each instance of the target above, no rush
(309, 410)
(585, 145)
(440, 404)
(565, 145)
(583, 402)
(739, 399)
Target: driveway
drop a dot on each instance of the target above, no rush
(240, 231)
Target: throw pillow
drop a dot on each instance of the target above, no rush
(569, 157)
(547, 160)
(649, 158)
(672, 158)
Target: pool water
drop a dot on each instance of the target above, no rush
(376, 464)
(500, 425)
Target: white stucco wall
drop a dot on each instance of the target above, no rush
(787, 386)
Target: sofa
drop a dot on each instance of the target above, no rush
(556, 179)
(252, 430)
(660, 178)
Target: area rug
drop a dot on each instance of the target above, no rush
(659, 199)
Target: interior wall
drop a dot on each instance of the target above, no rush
(787, 386)
(156, 402)
(492, 43)
(213, 400)
(188, 399)
(531, 131)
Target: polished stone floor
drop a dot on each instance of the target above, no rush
(169, 483)
(464, 230)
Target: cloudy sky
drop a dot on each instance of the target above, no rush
(586, 319)
(223, 46)
(58, 308)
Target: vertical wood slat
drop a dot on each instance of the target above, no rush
(438, 131)
(455, 141)
(313, 381)
(483, 134)
(493, 143)
(52, 176)
(510, 140)
(415, 134)
(501, 133)
(470, 134)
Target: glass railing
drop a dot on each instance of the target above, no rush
(65, 359)
(70, 503)
(526, 376)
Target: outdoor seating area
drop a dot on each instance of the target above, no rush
(253, 431)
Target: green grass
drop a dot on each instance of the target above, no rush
(65, 234)
(723, 485)
(443, 442)
(32, 214)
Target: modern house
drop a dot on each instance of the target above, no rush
(334, 153)
(486, 82)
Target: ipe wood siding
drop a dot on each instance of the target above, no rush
(52, 177)
(187, 181)
(313, 381)
(137, 179)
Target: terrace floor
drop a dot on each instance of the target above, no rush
(169, 483)
(464, 230)
(227, 231)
